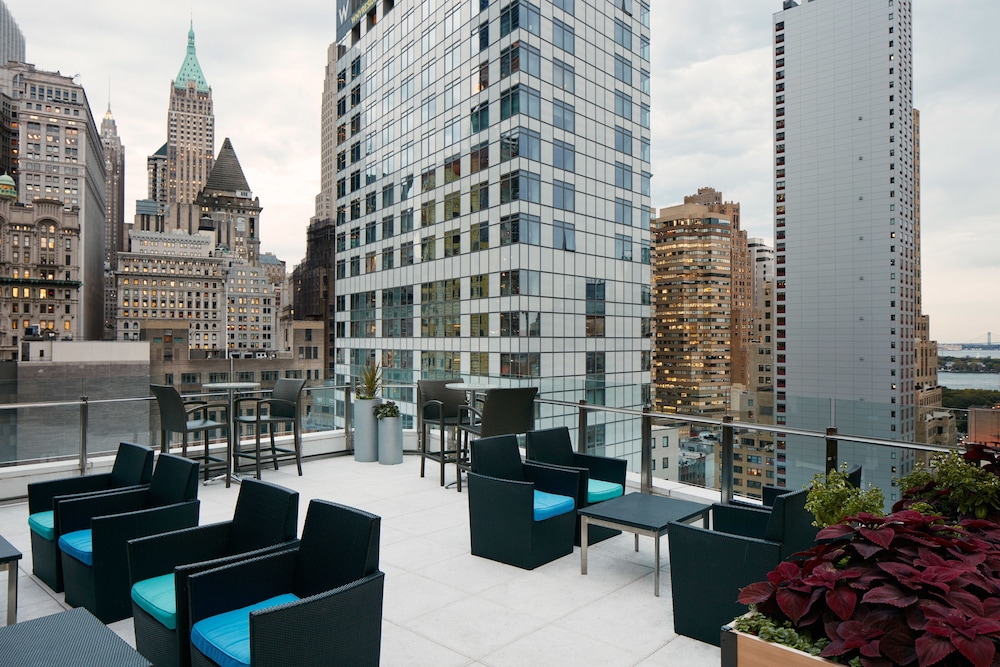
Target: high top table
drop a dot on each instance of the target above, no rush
(233, 437)
(639, 513)
(9, 556)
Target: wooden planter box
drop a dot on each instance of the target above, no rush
(742, 650)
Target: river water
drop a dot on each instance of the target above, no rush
(969, 380)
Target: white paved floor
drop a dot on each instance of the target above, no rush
(444, 606)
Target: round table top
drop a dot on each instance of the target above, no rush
(231, 385)
(469, 386)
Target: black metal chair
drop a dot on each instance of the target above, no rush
(505, 411)
(601, 478)
(280, 409)
(133, 466)
(438, 409)
(184, 417)
(97, 528)
(520, 512)
(319, 603)
(265, 520)
(708, 565)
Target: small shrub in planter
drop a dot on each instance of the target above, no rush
(954, 486)
(369, 383)
(906, 589)
(832, 497)
(385, 409)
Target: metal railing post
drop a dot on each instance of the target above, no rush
(727, 460)
(831, 449)
(84, 416)
(348, 418)
(646, 467)
(581, 428)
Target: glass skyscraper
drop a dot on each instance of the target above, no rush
(486, 164)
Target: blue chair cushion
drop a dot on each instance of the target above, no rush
(156, 597)
(78, 545)
(548, 505)
(598, 490)
(43, 523)
(225, 639)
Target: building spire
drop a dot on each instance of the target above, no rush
(191, 69)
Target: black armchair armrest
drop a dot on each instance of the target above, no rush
(157, 555)
(40, 494)
(192, 408)
(469, 416)
(355, 607)
(603, 468)
(76, 512)
(274, 401)
(553, 479)
(240, 584)
(743, 521)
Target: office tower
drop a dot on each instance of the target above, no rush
(762, 270)
(11, 37)
(492, 198)
(846, 232)
(114, 217)
(190, 131)
(701, 305)
(60, 158)
(156, 179)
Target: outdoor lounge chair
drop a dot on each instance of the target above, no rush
(708, 566)
(97, 529)
(319, 603)
(265, 520)
(520, 512)
(133, 466)
(601, 477)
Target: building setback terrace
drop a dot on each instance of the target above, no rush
(443, 606)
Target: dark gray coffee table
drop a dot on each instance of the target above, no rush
(637, 513)
(9, 556)
(73, 637)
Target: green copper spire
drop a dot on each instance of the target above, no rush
(191, 70)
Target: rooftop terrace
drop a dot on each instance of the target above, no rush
(444, 606)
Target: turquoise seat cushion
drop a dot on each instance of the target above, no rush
(599, 490)
(78, 545)
(156, 597)
(43, 523)
(548, 505)
(225, 639)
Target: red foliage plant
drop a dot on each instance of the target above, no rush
(905, 589)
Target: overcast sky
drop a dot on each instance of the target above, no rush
(711, 63)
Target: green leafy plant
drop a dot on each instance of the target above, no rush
(832, 497)
(759, 625)
(370, 382)
(385, 409)
(953, 486)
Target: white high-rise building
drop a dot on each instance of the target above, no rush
(490, 170)
(846, 239)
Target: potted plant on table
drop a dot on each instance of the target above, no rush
(390, 433)
(365, 431)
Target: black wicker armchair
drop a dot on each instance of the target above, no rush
(438, 409)
(279, 409)
(509, 410)
(319, 603)
(708, 566)
(133, 467)
(520, 513)
(96, 530)
(601, 478)
(265, 520)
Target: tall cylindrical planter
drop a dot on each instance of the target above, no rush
(390, 440)
(365, 430)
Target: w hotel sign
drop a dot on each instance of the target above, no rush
(350, 13)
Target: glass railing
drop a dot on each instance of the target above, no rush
(71, 420)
